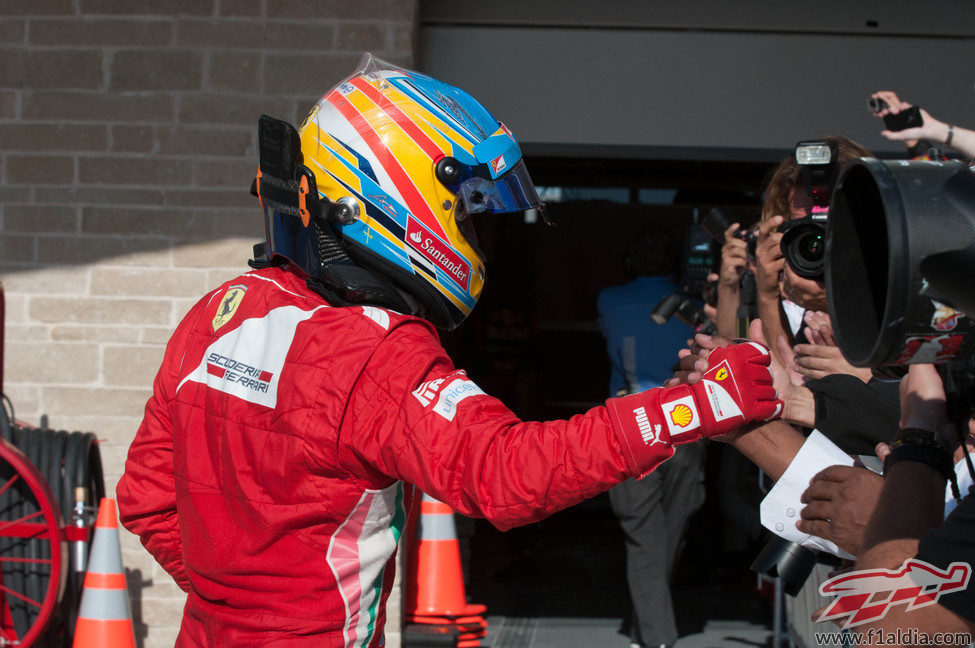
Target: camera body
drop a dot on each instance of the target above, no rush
(684, 309)
(910, 118)
(719, 219)
(751, 241)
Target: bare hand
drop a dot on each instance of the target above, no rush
(768, 258)
(693, 365)
(780, 376)
(816, 324)
(882, 450)
(808, 293)
(711, 312)
(930, 128)
(734, 258)
(894, 106)
(788, 356)
(693, 359)
(816, 361)
(839, 502)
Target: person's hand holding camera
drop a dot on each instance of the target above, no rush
(734, 259)
(808, 293)
(768, 259)
(891, 104)
(931, 129)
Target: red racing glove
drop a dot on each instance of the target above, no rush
(736, 389)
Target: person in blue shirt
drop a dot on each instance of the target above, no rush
(653, 512)
(642, 353)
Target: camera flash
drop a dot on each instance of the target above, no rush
(813, 154)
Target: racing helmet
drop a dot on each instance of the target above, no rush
(393, 166)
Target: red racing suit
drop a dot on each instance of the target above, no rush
(268, 474)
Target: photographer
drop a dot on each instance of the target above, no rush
(640, 352)
(834, 394)
(788, 197)
(910, 222)
(931, 130)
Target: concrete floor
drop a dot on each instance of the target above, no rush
(555, 632)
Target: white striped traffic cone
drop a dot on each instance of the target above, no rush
(105, 620)
(435, 594)
(435, 581)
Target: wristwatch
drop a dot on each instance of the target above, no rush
(922, 446)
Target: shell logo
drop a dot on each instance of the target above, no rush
(681, 415)
(722, 374)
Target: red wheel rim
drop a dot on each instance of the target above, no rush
(30, 522)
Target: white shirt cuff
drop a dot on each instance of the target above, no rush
(780, 508)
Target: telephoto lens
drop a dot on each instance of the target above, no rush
(900, 261)
(716, 221)
(666, 308)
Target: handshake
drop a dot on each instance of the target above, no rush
(718, 390)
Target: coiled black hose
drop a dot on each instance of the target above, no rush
(67, 461)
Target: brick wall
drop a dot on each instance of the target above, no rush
(127, 145)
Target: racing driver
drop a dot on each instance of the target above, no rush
(299, 404)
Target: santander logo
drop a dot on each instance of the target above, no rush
(436, 251)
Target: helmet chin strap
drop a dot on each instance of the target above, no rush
(415, 307)
(344, 283)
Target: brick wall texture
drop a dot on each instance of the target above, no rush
(127, 146)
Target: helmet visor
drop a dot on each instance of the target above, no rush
(512, 192)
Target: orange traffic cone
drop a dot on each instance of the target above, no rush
(435, 598)
(435, 578)
(105, 620)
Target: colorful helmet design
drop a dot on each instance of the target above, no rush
(413, 160)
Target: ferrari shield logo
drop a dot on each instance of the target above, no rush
(228, 305)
